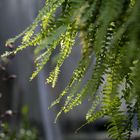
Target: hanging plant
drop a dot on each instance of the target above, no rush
(108, 30)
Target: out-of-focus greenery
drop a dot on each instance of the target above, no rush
(24, 132)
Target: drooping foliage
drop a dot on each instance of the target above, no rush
(109, 31)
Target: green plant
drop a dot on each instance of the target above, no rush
(108, 30)
(24, 132)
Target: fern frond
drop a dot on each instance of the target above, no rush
(76, 79)
(109, 33)
(96, 102)
(67, 43)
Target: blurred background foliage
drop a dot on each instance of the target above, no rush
(22, 132)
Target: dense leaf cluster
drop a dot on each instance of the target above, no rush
(108, 30)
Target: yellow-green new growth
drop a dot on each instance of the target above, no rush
(109, 36)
